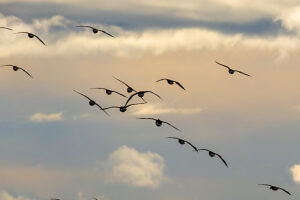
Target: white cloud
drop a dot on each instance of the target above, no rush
(295, 170)
(6, 196)
(45, 24)
(137, 169)
(215, 10)
(291, 19)
(151, 109)
(82, 116)
(128, 43)
(41, 117)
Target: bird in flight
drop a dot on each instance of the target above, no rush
(123, 108)
(171, 82)
(129, 88)
(141, 95)
(109, 92)
(159, 122)
(16, 68)
(275, 188)
(95, 30)
(213, 154)
(92, 102)
(2, 27)
(31, 35)
(182, 142)
(231, 71)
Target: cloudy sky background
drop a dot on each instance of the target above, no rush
(53, 145)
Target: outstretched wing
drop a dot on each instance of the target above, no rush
(134, 104)
(146, 118)
(6, 65)
(223, 65)
(152, 93)
(222, 160)
(192, 145)
(285, 191)
(119, 93)
(84, 26)
(203, 150)
(26, 72)
(171, 126)
(266, 185)
(22, 32)
(99, 88)
(102, 109)
(242, 73)
(130, 98)
(110, 107)
(179, 85)
(174, 138)
(83, 95)
(123, 83)
(6, 28)
(40, 39)
(163, 79)
(106, 33)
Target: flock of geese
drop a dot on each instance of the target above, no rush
(134, 93)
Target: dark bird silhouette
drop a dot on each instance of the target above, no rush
(109, 92)
(31, 35)
(231, 71)
(159, 122)
(275, 188)
(213, 154)
(129, 88)
(171, 82)
(16, 68)
(182, 142)
(141, 95)
(123, 108)
(2, 27)
(95, 30)
(92, 102)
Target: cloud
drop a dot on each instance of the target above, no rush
(41, 117)
(151, 109)
(137, 169)
(129, 43)
(45, 24)
(211, 10)
(295, 170)
(291, 19)
(6, 196)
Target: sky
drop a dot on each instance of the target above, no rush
(54, 145)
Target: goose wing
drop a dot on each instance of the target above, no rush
(223, 65)
(26, 72)
(172, 126)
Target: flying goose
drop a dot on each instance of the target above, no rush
(213, 154)
(31, 35)
(159, 122)
(231, 71)
(275, 188)
(171, 82)
(182, 142)
(95, 30)
(92, 102)
(16, 68)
